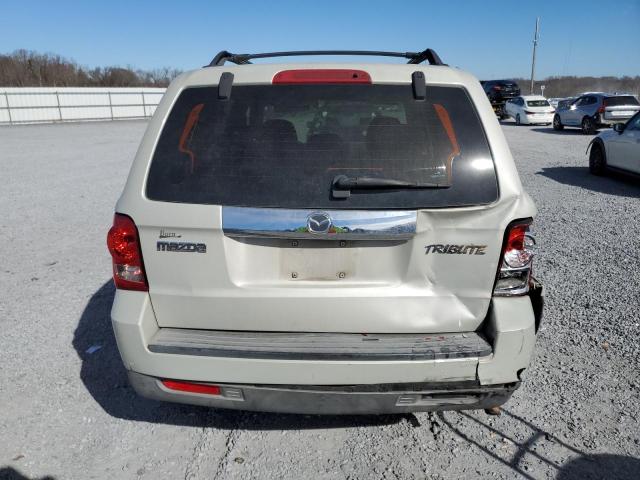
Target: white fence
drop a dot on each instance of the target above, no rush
(51, 104)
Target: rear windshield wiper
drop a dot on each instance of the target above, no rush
(342, 185)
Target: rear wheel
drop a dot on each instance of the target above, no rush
(557, 123)
(518, 119)
(588, 127)
(597, 160)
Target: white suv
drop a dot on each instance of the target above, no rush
(325, 238)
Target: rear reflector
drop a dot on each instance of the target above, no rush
(191, 387)
(297, 77)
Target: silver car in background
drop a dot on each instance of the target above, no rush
(592, 111)
(617, 149)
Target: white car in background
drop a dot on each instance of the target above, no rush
(529, 109)
(617, 148)
(554, 101)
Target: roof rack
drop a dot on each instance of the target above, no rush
(244, 58)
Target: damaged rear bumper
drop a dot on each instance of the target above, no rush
(338, 400)
(332, 386)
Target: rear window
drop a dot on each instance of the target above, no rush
(621, 100)
(283, 145)
(537, 103)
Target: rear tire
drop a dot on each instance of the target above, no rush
(518, 119)
(557, 123)
(588, 128)
(597, 160)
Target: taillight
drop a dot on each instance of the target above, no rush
(602, 107)
(515, 263)
(497, 87)
(124, 245)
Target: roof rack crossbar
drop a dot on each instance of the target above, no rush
(244, 58)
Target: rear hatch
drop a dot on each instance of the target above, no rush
(281, 212)
(509, 89)
(620, 107)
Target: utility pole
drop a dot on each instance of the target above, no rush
(533, 61)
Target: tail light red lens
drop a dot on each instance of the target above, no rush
(192, 387)
(516, 262)
(124, 245)
(497, 87)
(339, 76)
(602, 107)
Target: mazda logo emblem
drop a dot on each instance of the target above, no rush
(318, 222)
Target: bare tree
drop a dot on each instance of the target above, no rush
(24, 68)
(571, 86)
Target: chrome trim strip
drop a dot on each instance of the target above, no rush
(300, 224)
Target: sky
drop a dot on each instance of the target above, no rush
(489, 39)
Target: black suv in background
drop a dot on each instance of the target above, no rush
(499, 91)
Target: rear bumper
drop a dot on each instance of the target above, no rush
(608, 122)
(547, 118)
(326, 400)
(489, 379)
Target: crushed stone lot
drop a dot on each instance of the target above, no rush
(67, 412)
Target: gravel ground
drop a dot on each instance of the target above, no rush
(67, 413)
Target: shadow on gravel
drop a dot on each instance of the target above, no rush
(614, 183)
(596, 467)
(582, 466)
(566, 131)
(506, 123)
(105, 378)
(8, 473)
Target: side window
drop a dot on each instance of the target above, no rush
(521, 101)
(592, 100)
(634, 123)
(580, 101)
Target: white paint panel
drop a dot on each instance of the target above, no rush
(79, 113)
(29, 114)
(126, 112)
(84, 99)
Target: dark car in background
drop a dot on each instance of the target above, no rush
(498, 92)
